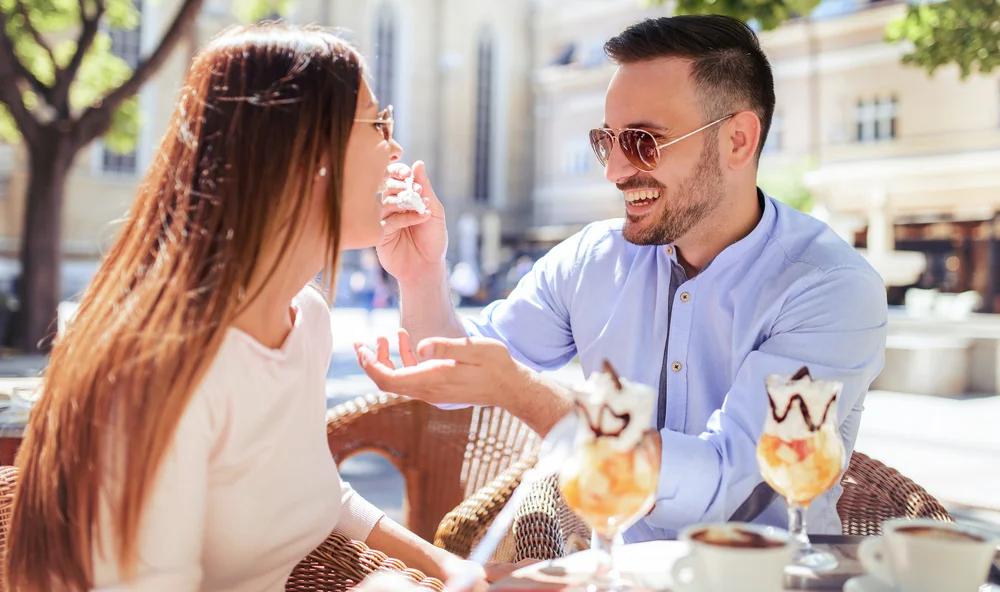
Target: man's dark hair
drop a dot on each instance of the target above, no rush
(729, 69)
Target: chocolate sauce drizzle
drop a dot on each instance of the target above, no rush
(625, 418)
(803, 408)
(609, 369)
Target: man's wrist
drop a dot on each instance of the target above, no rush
(538, 402)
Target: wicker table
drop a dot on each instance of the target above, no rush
(844, 547)
(12, 422)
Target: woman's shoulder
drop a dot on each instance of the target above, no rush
(311, 302)
(315, 317)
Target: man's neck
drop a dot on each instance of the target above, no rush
(731, 223)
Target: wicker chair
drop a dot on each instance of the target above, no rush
(545, 528)
(444, 456)
(336, 565)
(874, 493)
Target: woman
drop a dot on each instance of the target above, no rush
(180, 442)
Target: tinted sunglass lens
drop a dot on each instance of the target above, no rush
(640, 149)
(601, 142)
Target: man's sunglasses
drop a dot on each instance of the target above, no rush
(638, 146)
(383, 123)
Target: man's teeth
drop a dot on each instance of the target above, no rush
(634, 196)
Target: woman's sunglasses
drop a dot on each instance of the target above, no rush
(638, 146)
(383, 123)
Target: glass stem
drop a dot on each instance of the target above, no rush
(605, 566)
(797, 526)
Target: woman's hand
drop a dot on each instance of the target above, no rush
(462, 575)
(413, 245)
(498, 571)
(459, 570)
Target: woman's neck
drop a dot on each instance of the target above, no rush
(268, 319)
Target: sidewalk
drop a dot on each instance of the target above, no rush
(949, 446)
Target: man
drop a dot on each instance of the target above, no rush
(706, 287)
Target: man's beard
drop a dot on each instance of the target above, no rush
(693, 201)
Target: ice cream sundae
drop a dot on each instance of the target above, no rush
(800, 453)
(611, 479)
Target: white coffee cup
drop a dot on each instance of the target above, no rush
(722, 558)
(929, 556)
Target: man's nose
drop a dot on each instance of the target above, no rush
(618, 168)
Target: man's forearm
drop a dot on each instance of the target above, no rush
(426, 309)
(541, 403)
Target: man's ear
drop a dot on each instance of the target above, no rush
(742, 137)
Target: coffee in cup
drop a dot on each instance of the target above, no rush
(942, 534)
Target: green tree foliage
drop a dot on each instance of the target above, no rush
(40, 32)
(768, 14)
(965, 33)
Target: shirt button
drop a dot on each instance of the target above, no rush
(676, 366)
(685, 297)
(670, 250)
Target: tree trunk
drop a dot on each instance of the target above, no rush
(41, 242)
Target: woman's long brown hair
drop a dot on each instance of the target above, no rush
(260, 108)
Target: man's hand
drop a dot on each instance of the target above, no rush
(413, 245)
(466, 371)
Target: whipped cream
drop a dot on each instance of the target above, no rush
(789, 396)
(619, 416)
(408, 199)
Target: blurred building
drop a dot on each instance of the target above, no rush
(456, 73)
(498, 101)
(893, 159)
(906, 162)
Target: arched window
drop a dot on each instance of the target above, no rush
(385, 54)
(485, 73)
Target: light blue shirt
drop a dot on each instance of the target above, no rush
(790, 294)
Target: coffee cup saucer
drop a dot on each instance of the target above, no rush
(867, 584)
(871, 584)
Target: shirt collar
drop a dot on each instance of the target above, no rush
(735, 250)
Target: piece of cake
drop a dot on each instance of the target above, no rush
(408, 199)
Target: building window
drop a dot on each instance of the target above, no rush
(484, 118)
(775, 136)
(577, 158)
(886, 118)
(385, 55)
(126, 44)
(876, 119)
